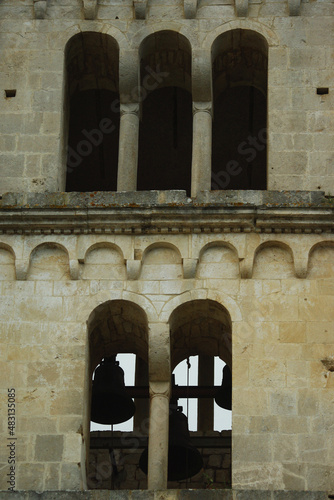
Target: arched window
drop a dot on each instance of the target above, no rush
(239, 152)
(92, 112)
(116, 327)
(201, 334)
(165, 135)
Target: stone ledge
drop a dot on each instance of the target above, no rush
(105, 199)
(154, 212)
(166, 494)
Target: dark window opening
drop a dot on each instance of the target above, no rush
(10, 93)
(91, 113)
(165, 140)
(92, 154)
(239, 134)
(239, 137)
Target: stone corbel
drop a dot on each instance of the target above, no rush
(241, 7)
(246, 267)
(40, 8)
(21, 269)
(133, 268)
(294, 7)
(140, 7)
(301, 266)
(74, 269)
(90, 9)
(190, 8)
(189, 268)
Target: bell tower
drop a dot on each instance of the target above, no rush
(167, 249)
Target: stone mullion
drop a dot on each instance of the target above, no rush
(202, 145)
(128, 147)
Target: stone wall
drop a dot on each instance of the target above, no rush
(272, 277)
(300, 121)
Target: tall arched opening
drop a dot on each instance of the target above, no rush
(239, 134)
(92, 112)
(203, 328)
(114, 327)
(165, 135)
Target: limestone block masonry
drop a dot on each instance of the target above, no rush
(243, 274)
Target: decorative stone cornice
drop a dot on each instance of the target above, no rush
(40, 8)
(166, 212)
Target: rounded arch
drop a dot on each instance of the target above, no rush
(49, 244)
(165, 136)
(268, 34)
(321, 260)
(201, 326)
(239, 82)
(161, 245)
(117, 326)
(103, 260)
(161, 262)
(104, 244)
(7, 262)
(170, 52)
(273, 259)
(49, 261)
(91, 118)
(240, 58)
(202, 294)
(218, 259)
(10, 249)
(91, 61)
(219, 243)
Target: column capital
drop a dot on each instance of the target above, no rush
(160, 389)
(204, 107)
(131, 108)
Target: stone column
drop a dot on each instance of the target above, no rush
(202, 145)
(158, 436)
(128, 147)
(159, 376)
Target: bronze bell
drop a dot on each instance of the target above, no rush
(110, 402)
(184, 460)
(223, 396)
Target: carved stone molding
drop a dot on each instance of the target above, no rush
(205, 107)
(90, 9)
(40, 8)
(140, 7)
(241, 7)
(129, 108)
(190, 8)
(294, 7)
